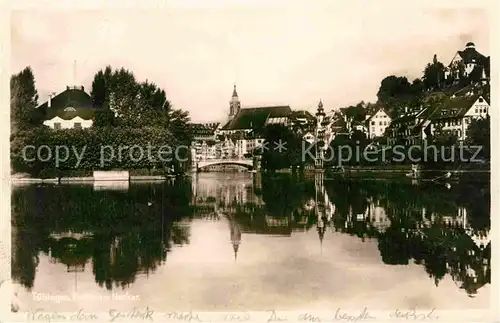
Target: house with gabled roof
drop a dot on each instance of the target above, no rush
(256, 119)
(456, 114)
(410, 127)
(469, 63)
(377, 123)
(72, 108)
(204, 139)
(245, 125)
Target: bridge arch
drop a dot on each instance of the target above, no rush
(248, 163)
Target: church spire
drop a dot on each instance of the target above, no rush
(235, 94)
(234, 104)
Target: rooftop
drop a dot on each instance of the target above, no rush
(70, 103)
(255, 118)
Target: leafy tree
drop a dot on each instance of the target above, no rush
(104, 117)
(478, 134)
(124, 101)
(356, 112)
(23, 101)
(100, 88)
(444, 138)
(417, 87)
(289, 154)
(393, 87)
(434, 75)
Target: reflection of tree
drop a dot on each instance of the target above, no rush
(441, 229)
(25, 240)
(126, 233)
(24, 257)
(393, 247)
(283, 195)
(424, 226)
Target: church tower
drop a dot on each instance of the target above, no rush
(234, 104)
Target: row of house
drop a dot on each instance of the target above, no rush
(454, 115)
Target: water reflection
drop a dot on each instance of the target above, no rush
(119, 234)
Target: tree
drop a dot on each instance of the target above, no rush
(100, 88)
(104, 117)
(434, 75)
(133, 103)
(393, 87)
(417, 87)
(356, 112)
(478, 134)
(444, 138)
(23, 101)
(277, 157)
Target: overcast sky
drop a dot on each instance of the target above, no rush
(290, 55)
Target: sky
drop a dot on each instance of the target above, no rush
(276, 54)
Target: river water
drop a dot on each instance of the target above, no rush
(242, 241)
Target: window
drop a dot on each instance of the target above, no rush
(476, 110)
(481, 100)
(373, 123)
(57, 125)
(373, 129)
(380, 123)
(78, 125)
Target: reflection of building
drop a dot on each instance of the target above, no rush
(480, 237)
(235, 236)
(377, 216)
(234, 192)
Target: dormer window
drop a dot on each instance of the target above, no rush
(481, 100)
(70, 109)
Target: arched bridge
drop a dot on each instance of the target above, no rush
(247, 162)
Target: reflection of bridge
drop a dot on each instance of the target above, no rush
(247, 162)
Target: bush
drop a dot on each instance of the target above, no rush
(89, 145)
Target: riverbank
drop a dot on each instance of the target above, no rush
(23, 179)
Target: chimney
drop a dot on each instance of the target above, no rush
(83, 89)
(67, 87)
(49, 102)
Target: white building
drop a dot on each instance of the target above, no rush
(72, 108)
(457, 114)
(377, 123)
(466, 61)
